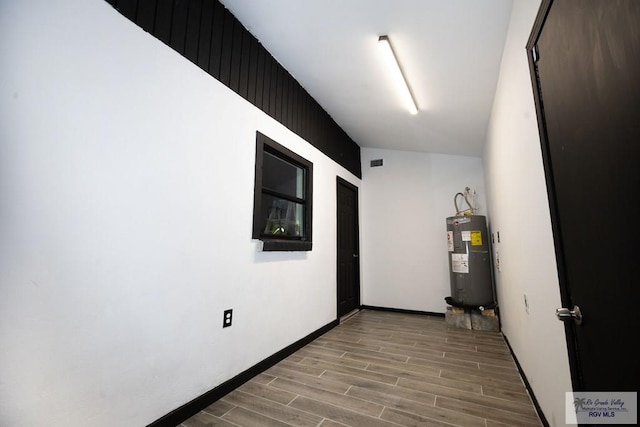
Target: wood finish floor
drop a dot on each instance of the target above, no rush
(384, 369)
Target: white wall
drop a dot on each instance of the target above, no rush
(404, 208)
(126, 200)
(519, 210)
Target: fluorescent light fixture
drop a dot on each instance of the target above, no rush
(398, 75)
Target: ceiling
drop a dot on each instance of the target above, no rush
(450, 51)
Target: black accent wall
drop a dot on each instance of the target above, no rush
(207, 34)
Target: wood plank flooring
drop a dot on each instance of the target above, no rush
(384, 369)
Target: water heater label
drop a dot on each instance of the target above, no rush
(458, 221)
(460, 263)
(476, 238)
(466, 236)
(450, 240)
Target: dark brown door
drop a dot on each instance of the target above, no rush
(348, 250)
(585, 61)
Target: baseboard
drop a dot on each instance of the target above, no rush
(536, 405)
(189, 409)
(400, 310)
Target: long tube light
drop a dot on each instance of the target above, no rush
(398, 75)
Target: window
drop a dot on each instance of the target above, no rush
(282, 197)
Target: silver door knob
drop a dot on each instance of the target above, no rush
(355, 255)
(566, 314)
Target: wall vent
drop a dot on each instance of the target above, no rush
(377, 162)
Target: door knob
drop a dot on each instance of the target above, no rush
(355, 255)
(566, 314)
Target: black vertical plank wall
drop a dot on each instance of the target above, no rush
(179, 25)
(236, 55)
(266, 83)
(204, 41)
(260, 73)
(216, 40)
(207, 34)
(226, 50)
(245, 65)
(162, 25)
(192, 37)
(279, 89)
(146, 14)
(252, 73)
(272, 86)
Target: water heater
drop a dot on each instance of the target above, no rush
(469, 261)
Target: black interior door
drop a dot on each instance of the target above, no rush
(585, 61)
(348, 249)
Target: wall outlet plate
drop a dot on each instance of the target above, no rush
(227, 318)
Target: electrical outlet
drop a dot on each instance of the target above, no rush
(526, 303)
(228, 316)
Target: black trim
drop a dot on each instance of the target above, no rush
(279, 195)
(401, 310)
(214, 40)
(285, 245)
(536, 405)
(188, 410)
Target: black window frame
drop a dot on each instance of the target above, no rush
(281, 243)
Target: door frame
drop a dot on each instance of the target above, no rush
(346, 184)
(565, 295)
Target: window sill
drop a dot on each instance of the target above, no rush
(272, 245)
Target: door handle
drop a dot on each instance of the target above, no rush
(355, 255)
(565, 314)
